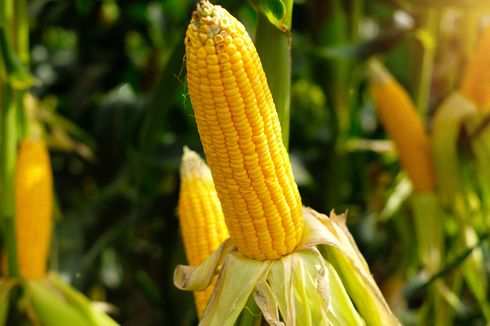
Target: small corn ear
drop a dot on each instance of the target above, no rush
(201, 218)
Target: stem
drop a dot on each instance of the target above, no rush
(21, 27)
(8, 153)
(274, 48)
(8, 149)
(427, 64)
(356, 17)
(21, 45)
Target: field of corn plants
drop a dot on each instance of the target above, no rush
(261, 162)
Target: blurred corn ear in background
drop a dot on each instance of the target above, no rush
(402, 123)
(34, 208)
(200, 216)
(475, 84)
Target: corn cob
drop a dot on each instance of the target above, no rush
(475, 84)
(241, 135)
(201, 218)
(34, 199)
(399, 118)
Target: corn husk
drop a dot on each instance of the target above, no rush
(50, 301)
(325, 281)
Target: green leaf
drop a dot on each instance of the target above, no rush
(429, 226)
(17, 75)
(417, 286)
(274, 10)
(364, 49)
(446, 127)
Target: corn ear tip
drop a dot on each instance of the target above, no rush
(193, 164)
(377, 73)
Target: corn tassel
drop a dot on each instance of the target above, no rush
(201, 218)
(34, 199)
(241, 136)
(475, 84)
(399, 118)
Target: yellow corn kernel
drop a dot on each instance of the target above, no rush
(241, 135)
(475, 84)
(201, 218)
(400, 120)
(34, 202)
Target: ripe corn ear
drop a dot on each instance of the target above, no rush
(400, 120)
(201, 218)
(475, 84)
(34, 200)
(241, 135)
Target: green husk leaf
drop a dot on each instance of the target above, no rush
(198, 278)
(250, 315)
(81, 303)
(236, 282)
(342, 309)
(310, 276)
(281, 280)
(265, 299)
(296, 289)
(50, 308)
(342, 252)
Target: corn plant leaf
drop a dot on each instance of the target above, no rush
(478, 126)
(5, 287)
(274, 10)
(163, 97)
(447, 124)
(429, 225)
(17, 75)
(474, 267)
(396, 197)
(363, 49)
(417, 286)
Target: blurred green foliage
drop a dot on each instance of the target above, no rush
(115, 69)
